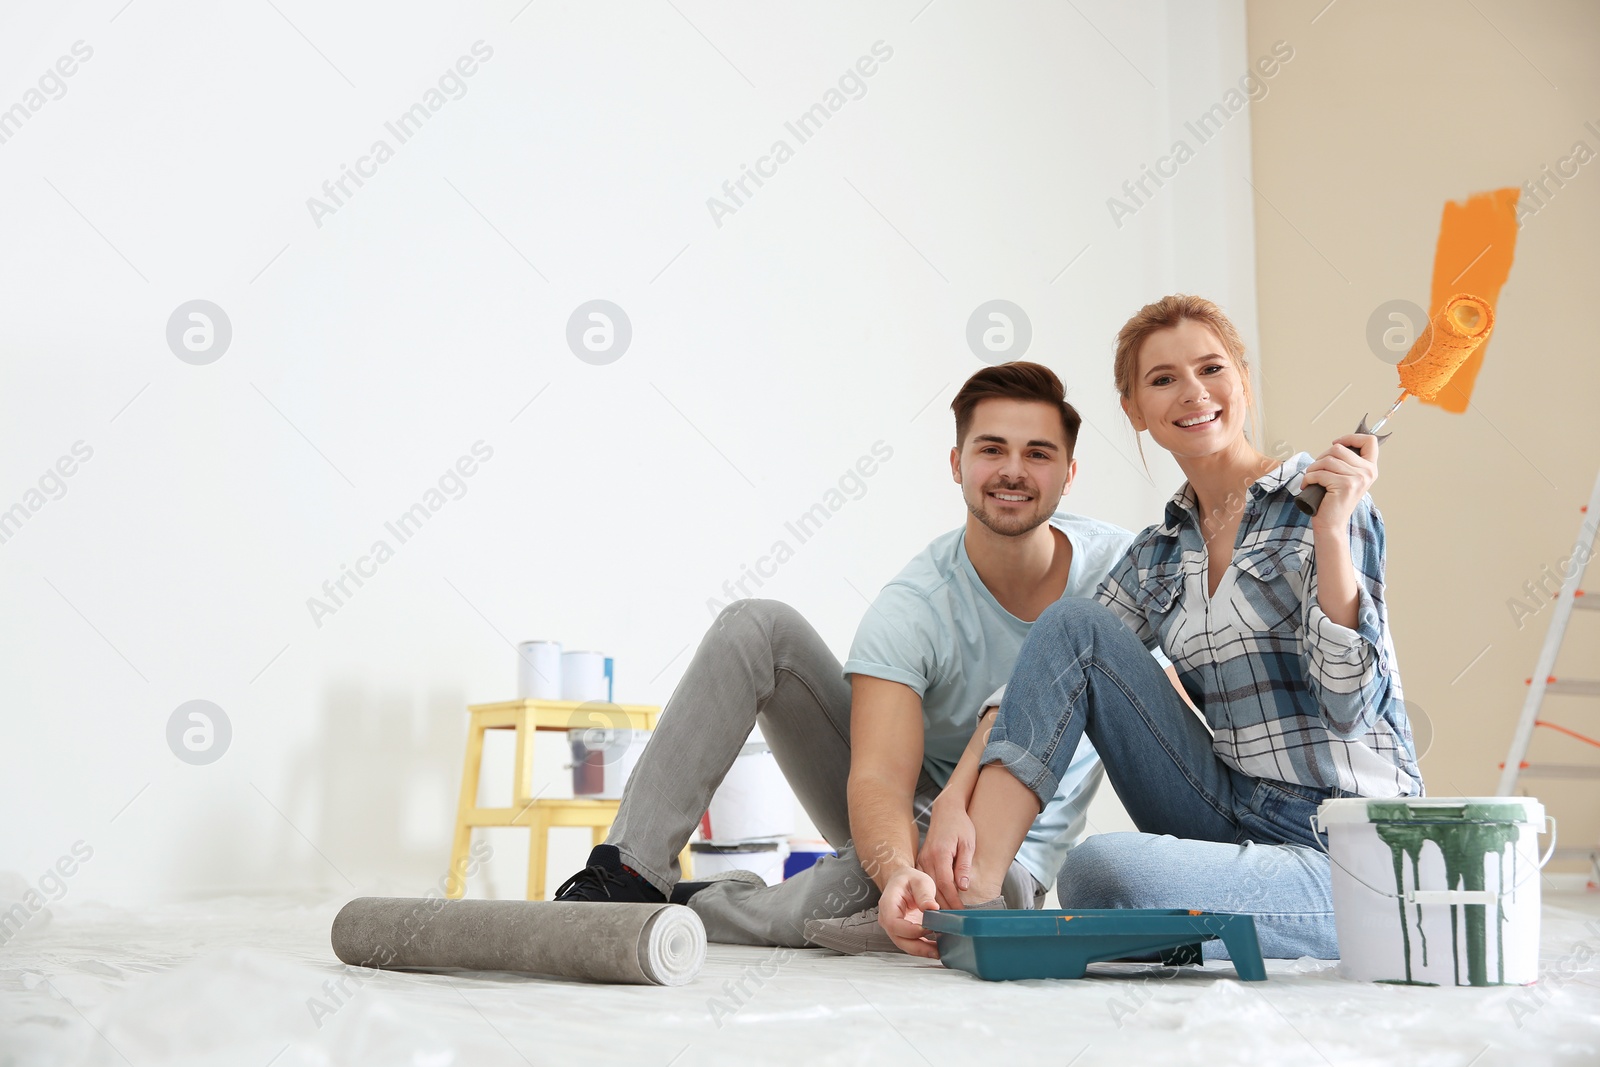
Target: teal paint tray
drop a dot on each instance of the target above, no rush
(1001, 945)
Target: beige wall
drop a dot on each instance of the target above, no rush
(1387, 111)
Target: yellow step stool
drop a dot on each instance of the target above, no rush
(527, 718)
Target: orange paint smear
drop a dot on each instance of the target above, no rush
(1477, 240)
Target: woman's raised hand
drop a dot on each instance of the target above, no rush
(1346, 470)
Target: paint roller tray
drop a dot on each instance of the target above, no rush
(1001, 945)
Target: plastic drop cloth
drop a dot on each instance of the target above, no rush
(252, 981)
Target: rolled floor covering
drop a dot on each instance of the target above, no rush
(642, 944)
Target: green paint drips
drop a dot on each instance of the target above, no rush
(1465, 834)
(1405, 841)
(1455, 957)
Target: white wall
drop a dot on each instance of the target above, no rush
(370, 352)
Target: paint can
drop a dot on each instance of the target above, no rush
(753, 803)
(803, 853)
(585, 676)
(539, 670)
(1439, 891)
(763, 857)
(603, 759)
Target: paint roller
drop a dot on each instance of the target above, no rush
(1458, 330)
(638, 944)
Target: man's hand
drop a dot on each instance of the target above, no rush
(946, 853)
(906, 895)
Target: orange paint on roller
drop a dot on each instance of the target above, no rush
(1457, 332)
(1477, 241)
(1460, 329)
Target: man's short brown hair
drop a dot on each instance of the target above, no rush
(1017, 380)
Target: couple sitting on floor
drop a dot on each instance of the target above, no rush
(1229, 667)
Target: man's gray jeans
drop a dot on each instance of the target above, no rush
(760, 662)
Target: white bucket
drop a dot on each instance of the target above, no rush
(763, 857)
(754, 801)
(539, 670)
(586, 676)
(602, 760)
(1436, 890)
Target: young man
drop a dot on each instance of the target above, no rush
(891, 751)
(1278, 622)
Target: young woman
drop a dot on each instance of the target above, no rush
(1277, 626)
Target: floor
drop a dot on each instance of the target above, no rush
(252, 982)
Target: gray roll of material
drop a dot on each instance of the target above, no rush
(642, 944)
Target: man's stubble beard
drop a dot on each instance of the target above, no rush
(1016, 527)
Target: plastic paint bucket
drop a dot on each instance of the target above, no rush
(1436, 890)
(753, 803)
(603, 759)
(539, 670)
(585, 676)
(804, 852)
(763, 857)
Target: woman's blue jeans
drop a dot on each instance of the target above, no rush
(1210, 837)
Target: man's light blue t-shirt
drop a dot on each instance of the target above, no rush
(937, 629)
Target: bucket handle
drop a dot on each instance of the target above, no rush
(1429, 896)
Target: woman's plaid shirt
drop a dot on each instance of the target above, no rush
(1289, 694)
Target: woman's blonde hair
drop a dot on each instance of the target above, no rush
(1166, 314)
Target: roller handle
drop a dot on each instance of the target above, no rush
(1310, 499)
